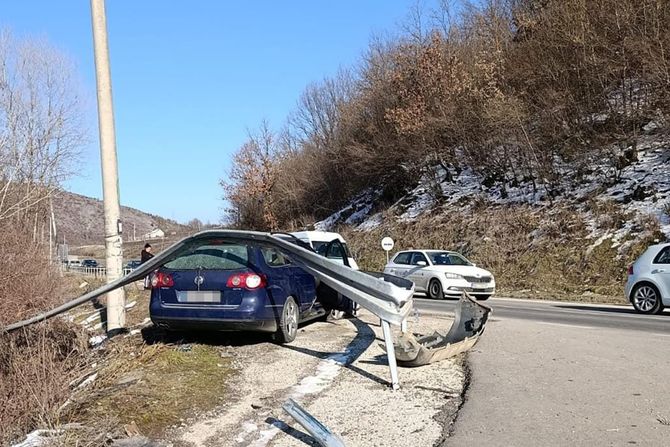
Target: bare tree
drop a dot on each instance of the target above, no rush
(249, 184)
(41, 125)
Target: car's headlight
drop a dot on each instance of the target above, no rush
(453, 276)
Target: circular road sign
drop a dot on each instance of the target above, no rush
(387, 243)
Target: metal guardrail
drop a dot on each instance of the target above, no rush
(321, 434)
(388, 297)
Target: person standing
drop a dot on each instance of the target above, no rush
(145, 255)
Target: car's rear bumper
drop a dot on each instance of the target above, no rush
(214, 324)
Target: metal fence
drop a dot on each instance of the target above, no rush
(95, 272)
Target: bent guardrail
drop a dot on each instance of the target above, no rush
(390, 298)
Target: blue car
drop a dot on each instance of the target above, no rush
(228, 286)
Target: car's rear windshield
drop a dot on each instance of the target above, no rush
(447, 258)
(212, 257)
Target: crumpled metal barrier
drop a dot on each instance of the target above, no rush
(388, 297)
(469, 322)
(321, 434)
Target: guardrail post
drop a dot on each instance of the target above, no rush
(390, 354)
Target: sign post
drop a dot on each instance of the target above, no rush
(387, 245)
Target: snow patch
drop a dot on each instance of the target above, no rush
(96, 340)
(641, 189)
(326, 372)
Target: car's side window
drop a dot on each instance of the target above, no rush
(273, 258)
(402, 258)
(416, 257)
(663, 257)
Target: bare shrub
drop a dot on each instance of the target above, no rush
(36, 367)
(519, 91)
(29, 281)
(41, 130)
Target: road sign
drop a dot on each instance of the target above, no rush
(387, 243)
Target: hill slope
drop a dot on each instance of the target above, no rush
(575, 244)
(80, 220)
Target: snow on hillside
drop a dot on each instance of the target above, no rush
(642, 189)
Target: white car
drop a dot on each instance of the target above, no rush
(648, 285)
(442, 273)
(320, 241)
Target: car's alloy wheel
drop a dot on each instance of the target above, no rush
(646, 299)
(435, 290)
(288, 323)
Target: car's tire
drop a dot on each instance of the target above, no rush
(646, 299)
(435, 290)
(288, 322)
(483, 297)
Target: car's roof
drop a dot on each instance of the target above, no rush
(317, 235)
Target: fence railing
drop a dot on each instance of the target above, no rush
(96, 272)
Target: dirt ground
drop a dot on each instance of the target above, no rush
(227, 389)
(338, 372)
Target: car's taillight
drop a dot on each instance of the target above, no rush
(246, 280)
(630, 269)
(161, 279)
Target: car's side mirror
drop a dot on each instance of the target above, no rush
(421, 263)
(474, 265)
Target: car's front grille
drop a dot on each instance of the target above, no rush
(474, 279)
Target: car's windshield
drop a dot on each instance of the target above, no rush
(213, 257)
(447, 258)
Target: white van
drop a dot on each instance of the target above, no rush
(319, 241)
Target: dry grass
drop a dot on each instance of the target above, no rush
(29, 282)
(36, 367)
(149, 381)
(153, 386)
(539, 253)
(37, 363)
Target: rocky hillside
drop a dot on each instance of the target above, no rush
(641, 191)
(576, 243)
(80, 221)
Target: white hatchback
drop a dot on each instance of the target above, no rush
(648, 285)
(441, 273)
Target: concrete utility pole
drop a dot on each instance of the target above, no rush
(116, 300)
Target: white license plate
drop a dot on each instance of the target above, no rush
(198, 296)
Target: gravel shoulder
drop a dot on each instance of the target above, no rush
(337, 371)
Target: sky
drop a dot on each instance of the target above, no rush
(190, 78)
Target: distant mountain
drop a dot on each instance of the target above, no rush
(80, 221)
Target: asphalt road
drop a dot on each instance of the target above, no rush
(564, 313)
(548, 373)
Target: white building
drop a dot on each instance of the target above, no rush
(154, 234)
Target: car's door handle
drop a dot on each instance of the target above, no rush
(658, 271)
